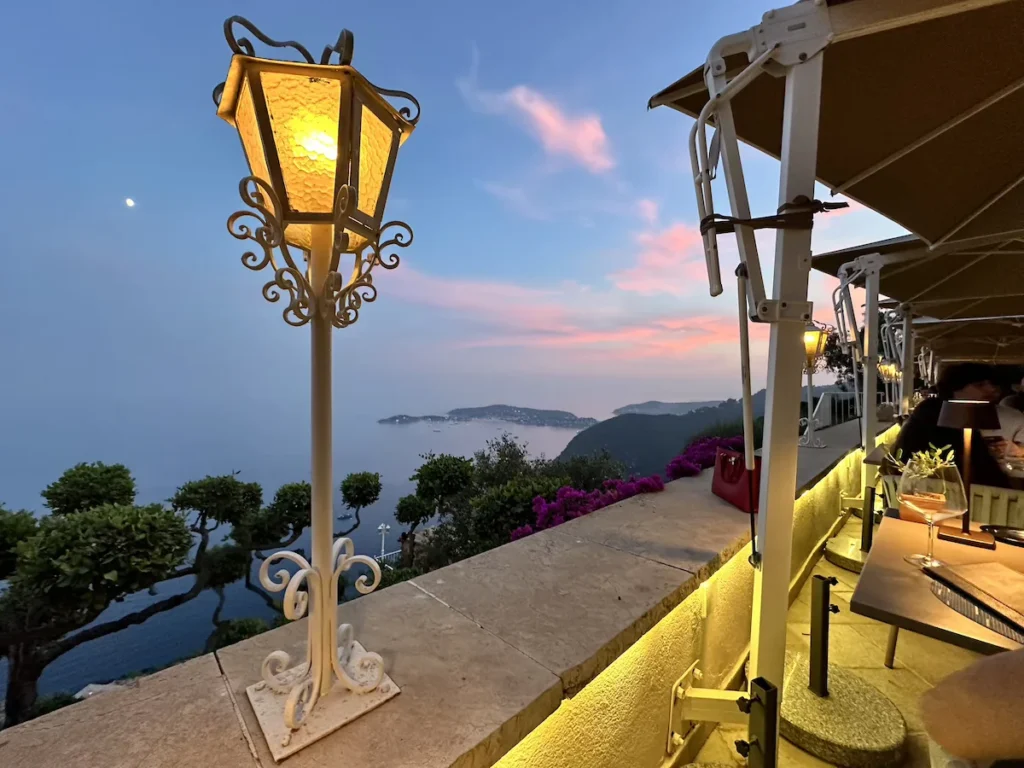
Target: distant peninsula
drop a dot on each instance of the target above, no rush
(514, 415)
(658, 408)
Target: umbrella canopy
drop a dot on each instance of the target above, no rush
(975, 281)
(1001, 343)
(969, 301)
(922, 109)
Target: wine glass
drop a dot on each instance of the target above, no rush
(935, 495)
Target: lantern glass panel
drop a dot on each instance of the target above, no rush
(303, 114)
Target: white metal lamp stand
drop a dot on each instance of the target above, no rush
(321, 143)
(815, 337)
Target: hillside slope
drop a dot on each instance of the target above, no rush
(645, 443)
(659, 408)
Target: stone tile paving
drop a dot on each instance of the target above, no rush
(858, 643)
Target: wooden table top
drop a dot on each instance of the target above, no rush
(893, 591)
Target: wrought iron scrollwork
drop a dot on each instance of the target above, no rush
(269, 235)
(360, 674)
(347, 298)
(405, 112)
(340, 297)
(344, 48)
(243, 46)
(402, 231)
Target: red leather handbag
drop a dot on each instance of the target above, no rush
(734, 482)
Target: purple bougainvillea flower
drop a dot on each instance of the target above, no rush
(570, 503)
(521, 532)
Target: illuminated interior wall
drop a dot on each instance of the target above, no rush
(620, 719)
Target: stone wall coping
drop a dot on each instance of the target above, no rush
(483, 650)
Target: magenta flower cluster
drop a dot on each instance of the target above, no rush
(570, 503)
(700, 454)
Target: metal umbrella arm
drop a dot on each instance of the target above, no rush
(849, 335)
(786, 38)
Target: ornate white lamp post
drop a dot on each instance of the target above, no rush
(815, 337)
(383, 529)
(321, 143)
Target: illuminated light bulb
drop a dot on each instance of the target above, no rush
(314, 136)
(318, 145)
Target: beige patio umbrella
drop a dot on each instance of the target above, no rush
(919, 121)
(968, 300)
(915, 109)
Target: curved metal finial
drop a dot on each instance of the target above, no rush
(405, 112)
(345, 47)
(244, 47)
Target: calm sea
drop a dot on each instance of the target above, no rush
(393, 451)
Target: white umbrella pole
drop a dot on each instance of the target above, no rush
(907, 378)
(785, 367)
(870, 358)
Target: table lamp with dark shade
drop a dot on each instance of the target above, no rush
(968, 415)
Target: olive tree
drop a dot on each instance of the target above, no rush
(97, 547)
(359, 490)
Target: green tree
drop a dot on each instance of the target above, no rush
(99, 547)
(836, 359)
(218, 500)
(68, 573)
(496, 512)
(280, 523)
(85, 486)
(441, 478)
(486, 521)
(503, 459)
(359, 490)
(587, 473)
(14, 527)
(413, 511)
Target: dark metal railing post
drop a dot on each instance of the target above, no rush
(821, 607)
(867, 522)
(762, 745)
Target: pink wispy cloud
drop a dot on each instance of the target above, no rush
(668, 261)
(647, 210)
(581, 138)
(569, 318)
(491, 303)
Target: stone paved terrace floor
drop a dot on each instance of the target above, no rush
(857, 643)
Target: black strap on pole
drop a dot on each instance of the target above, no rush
(798, 214)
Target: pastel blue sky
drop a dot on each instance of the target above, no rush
(555, 262)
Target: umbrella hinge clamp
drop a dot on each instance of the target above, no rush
(776, 311)
(689, 705)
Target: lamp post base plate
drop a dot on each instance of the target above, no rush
(339, 707)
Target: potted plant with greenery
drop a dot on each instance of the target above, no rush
(930, 491)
